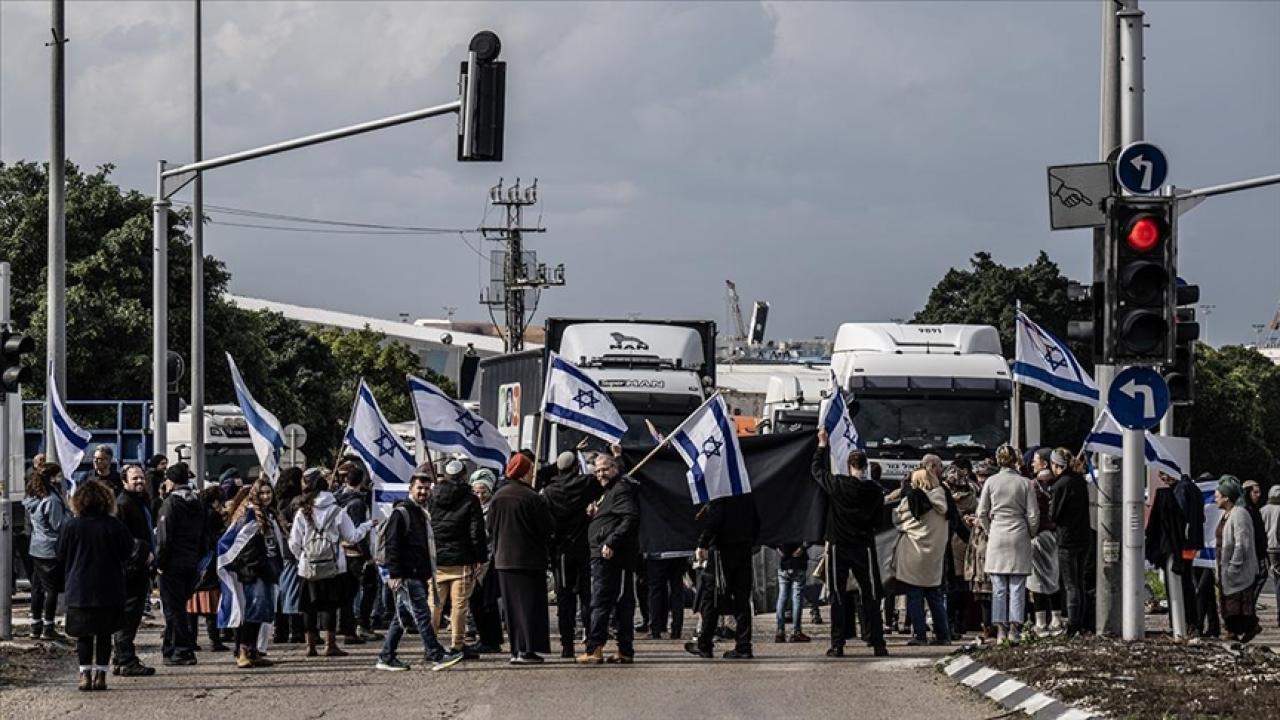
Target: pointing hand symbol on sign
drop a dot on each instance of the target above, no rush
(1070, 196)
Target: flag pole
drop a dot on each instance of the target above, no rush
(419, 430)
(668, 437)
(1015, 429)
(350, 418)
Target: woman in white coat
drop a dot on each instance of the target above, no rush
(320, 525)
(918, 558)
(1008, 513)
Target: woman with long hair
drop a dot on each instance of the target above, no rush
(46, 509)
(250, 553)
(319, 528)
(93, 549)
(921, 553)
(1008, 512)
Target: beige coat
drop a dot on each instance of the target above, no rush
(922, 544)
(1008, 512)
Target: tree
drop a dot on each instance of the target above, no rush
(1234, 425)
(384, 366)
(987, 294)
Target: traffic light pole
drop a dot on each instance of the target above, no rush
(1133, 465)
(6, 511)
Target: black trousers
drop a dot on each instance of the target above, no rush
(94, 649)
(524, 598)
(573, 595)
(176, 587)
(613, 596)
(485, 612)
(864, 564)
(350, 589)
(1073, 567)
(734, 595)
(665, 578)
(641, 594)
(1206, 602)
(44, 591)
(370, 585)
(130, 619)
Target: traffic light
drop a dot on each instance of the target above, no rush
(1140, 296)
(13, 346)
(1181, 373)
(1087, 331)
(484, 90)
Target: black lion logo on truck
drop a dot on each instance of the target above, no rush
(627, 342)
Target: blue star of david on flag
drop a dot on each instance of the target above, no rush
(711, 447)
(447, 426)
(708, 442)
(470, 425)
(572, 399)
(1045, 362)
(386, 444)
(586, 399)
(389, 462)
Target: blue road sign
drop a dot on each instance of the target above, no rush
(1141, 168)
(1138, 398)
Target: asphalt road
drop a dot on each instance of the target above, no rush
(784, 681)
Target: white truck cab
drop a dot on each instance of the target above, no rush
(226, 441)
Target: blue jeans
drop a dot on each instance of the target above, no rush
(1008, 599)
(613, 595)
(916, 598)
(411, 606)
(790, 587)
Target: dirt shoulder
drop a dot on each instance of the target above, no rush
(25, 663)
(1156, 679)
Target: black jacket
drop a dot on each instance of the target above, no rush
(854, 505)
(112, 479)
(617, 523)
(568, 495)
(355, 503)
(1259, 531)
(458, 522)
(1069, 508)
(1191, 503)
(730, 521)
(215, 526)
(521, 526)
(132, 510)
(181, 532)
(92, 552)
(407, 551)
(1164, 531)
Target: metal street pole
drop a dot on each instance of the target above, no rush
(6, 510)
(197, 282)
(56, 297)
(1134, 443)
(1107, 497)
(159, 314)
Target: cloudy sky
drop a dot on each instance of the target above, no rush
(834, 159)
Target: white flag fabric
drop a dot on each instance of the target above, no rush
(574, 400)
(842, 436)
(445, 425)
(1107, 437)
(709, 445)
(1043, 361)
(69, 439)
(389, 462)
(264, 429)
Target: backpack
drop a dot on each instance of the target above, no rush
(380, 539)
(318, 551)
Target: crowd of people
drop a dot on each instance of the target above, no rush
(306, 559)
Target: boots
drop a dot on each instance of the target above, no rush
(37, 629)
(593, 657)
(313, 639)
(243, 661)
(99, 679)
(1002, 634)
(331, 648)
(86, 681)
(1059, 624)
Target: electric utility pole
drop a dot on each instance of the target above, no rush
(517, 273)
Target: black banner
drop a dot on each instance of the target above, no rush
(790, 505)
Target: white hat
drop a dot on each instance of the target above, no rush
(454, 468)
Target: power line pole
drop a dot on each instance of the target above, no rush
(197, 280)
(56, 301)
(1107, 515)
(518, 271)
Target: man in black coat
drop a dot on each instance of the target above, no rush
(568, 493)
(521, 527)
(854, 513)
(729, 529)
(461, 545)
(361, 578)
(1191, 508)
(614, 539)
(132, 510)
(181, 543)
(1069, 511)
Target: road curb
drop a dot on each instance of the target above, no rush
(1011, 694)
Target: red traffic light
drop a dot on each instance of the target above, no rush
(1144, 233)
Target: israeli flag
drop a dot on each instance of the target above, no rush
(709, 446)
(574, 400)
(841, 434)
(69, 439)
(1045, 362)
(445, 425)
(231, 606)
(264, 428)
(389, 462)
(1107, 438)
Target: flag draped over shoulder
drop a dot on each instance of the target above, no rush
(709, 445)
(574, 400)
(264, 428)
(841, 434)
(69, 439)
(1107, 437)
(1043, 361)
(389, 462)
(445, 425)
(232, 542)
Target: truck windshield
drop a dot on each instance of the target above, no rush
(920, 424)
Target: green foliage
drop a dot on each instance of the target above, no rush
(302, 376)
(1235, 424)
(987, 294)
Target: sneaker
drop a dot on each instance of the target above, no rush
(780, 637)
(566, 651)
(815, 617)
(134, 669)
(916, 642)
(353, 640)
(528, 659)
(446, 662)
(799, 637)
(694, 649)
(939, 642)
(469, 652)
(392, 665)
(880, 651)
(368, 635)
(179, 660)
(835, 652)
(591, 657)
(655, 636)
(736, 654)
(620, 659)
